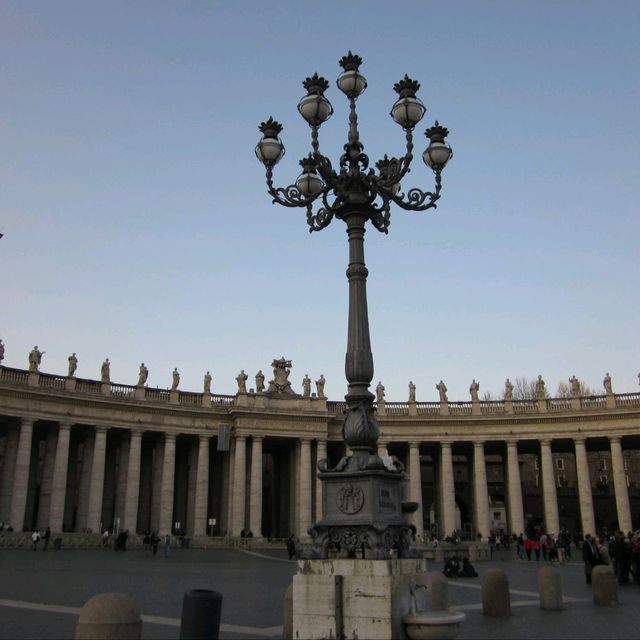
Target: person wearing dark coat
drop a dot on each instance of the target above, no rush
(590, 555)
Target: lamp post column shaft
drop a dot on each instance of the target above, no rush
(359, 359)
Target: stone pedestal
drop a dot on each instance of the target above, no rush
(355, 598)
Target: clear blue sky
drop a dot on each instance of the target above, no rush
(137, 225)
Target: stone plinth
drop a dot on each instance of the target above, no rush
(368, 598)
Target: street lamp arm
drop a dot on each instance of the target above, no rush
(290, 196)
(418, 200)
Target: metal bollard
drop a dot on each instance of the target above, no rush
(201, 610)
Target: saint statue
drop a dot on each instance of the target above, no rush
(320, 386)
(575, 387)
(607, 384)
(104, 371)
(508, 390)
(207, 382)
(306, 386)
(260, 382)
(442, 390)
(241, 379)
(1, 351)
(473, 390)
(380, 392)
(176, 379)
(540, 388)
(35, 358)
(412, 391)
(143, 374)
(73, 365)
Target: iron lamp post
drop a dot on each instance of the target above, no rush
(355, 193)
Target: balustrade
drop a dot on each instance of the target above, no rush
(559, 404)
(525, 406)
(55, 382)
(122, 390)
(628, 399)
(88, 386)
(186, 397)
(428, 408)
(15, 376)
(460, 408)
(491, 407)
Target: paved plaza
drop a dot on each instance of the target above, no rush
(42, 592)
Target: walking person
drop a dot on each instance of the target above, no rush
(47, 537)
(35, 538)
(167, 546)
(154, 541)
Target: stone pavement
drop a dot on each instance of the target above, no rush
(42, 592)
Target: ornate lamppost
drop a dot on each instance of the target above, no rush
(362, 495)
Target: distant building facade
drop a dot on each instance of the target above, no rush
(87, 455)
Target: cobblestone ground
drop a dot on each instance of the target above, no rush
(41, 593)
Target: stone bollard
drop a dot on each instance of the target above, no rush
(287, 614)
(473, 553)
(201, 612)
(550, 589)
(495, 594)
(109, 616)
(604, 586)
(439, 554)
(439, 588)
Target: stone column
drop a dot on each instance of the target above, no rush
(88, 441)
(588, 521)
(168, 481)
(21, 475)
(549, 496)
(132, 493)
(415, 487)
(321, 447)
(239, 485)
(305, 487)
(620, 485)
(46, 483)
(255, 498)
(59, 482)
(96, 490)
(480, 492)
(8, 470)
(202, 488)
(514, 487)
(447, 491)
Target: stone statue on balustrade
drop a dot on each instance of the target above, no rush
(541, 391)
(73, 365)
(380, 392)
(607, 384)
(280, 384)
(105, 375)
(320, 386)
(35, 358)
(175, 379)
(1, 351)
(260, 381)
(241, 379)
(473, 390)
(575, 387)
(442, 390)
(508, 390)
(306, 386)
(412, 391)
(143, 374)
(207, 382)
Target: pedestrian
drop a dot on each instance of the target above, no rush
(47, 537)
(154, 542)
(105, 537)
(291, 547)
(167, 546)
(536, 546)
(520, 546)
(590, 555)
(528, 546)
(35, 538)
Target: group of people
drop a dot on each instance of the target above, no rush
(620, 550)
(542, 545)
(151, 541)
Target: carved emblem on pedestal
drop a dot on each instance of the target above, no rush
(350, 499)
(280, 383)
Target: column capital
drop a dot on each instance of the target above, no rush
(101, 429)
(168, 435)
(258, 438)
(204, 437)
(446, 444)
(478, 444)
(615, 439)
(66, 426)
(512, 442)
(305, 440)
(545, 442)
(135, 433)
(415, 444)
(240, 435)
(579, 439)
(24, 420)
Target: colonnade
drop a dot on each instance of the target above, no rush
(144, 492)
